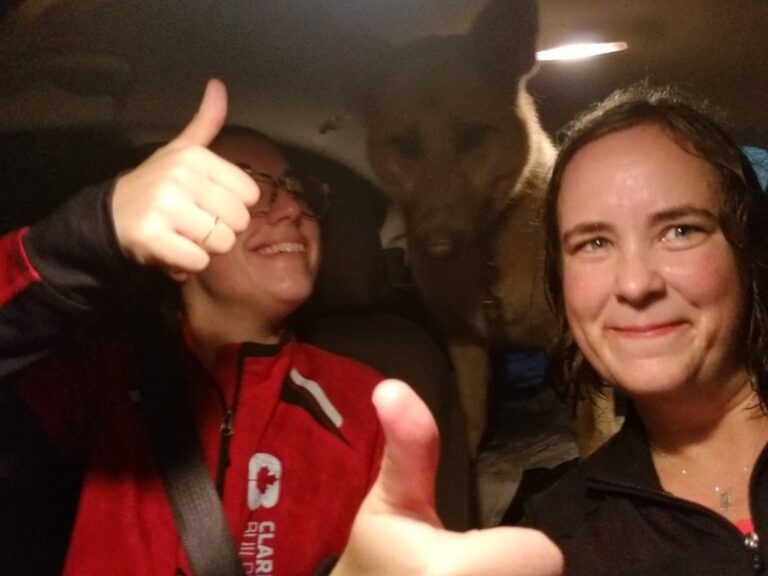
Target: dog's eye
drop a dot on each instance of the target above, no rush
(469, 136)
(407, 145)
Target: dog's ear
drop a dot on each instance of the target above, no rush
(504, 37)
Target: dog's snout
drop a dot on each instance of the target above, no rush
(442, 245)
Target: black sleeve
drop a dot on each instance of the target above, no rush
(82, 275)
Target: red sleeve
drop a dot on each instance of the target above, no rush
(16, 271)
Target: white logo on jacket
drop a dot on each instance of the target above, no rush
(264, 474)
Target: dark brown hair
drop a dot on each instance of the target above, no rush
(743, 218)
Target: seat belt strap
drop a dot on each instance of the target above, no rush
(197, 510)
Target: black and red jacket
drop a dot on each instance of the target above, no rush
(304, 441)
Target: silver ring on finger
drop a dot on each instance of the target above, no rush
(214, 221)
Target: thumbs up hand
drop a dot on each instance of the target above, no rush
(184, 202)
(397, 532)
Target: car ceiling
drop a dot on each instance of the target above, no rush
(295, 68)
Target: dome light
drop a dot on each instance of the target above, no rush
(580, 51)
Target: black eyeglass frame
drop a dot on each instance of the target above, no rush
(314, 205)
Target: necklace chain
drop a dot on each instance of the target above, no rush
(724, 493)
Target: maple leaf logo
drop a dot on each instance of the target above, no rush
(264, 479)
(264, 474)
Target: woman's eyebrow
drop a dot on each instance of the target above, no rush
(681, 211)
(585, 228)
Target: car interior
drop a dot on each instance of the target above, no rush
(90, 87)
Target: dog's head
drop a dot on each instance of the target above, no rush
(450, 126)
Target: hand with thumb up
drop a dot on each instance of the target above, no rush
(397, 531)
(184, 202)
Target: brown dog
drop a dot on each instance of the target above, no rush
(456, 141)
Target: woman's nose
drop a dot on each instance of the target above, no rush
(639, 278)
(284, 205)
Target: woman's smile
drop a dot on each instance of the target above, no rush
(651, 285)
(648, 331)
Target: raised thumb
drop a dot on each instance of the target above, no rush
(210, 117)
(406, 482)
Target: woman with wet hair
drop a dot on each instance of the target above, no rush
(656, 267)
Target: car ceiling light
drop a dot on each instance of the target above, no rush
(580, 51)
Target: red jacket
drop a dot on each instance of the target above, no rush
(305, 443)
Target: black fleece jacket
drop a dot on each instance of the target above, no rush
(610, 516)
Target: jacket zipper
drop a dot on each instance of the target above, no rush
(752, 543)
(227, 428)
(752, 540)
(225, 433)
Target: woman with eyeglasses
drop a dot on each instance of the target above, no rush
(288, 431)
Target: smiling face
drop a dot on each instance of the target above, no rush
(651, 285)
(272, 267)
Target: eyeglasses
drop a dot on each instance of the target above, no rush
(311, 194)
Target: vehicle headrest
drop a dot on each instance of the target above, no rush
(353, 274)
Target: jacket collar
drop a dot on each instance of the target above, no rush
(625, 460)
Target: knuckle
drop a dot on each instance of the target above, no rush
(150, 228)
(201, 262)
(222, 244)
(240, 220)
(182, 172)
(168, 197)
(227, 241)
